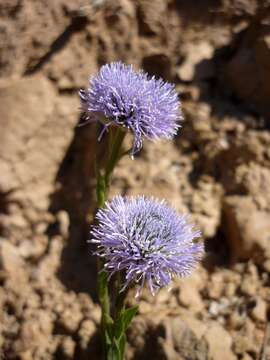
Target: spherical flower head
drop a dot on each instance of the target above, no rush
(147, 106)
(147, 240)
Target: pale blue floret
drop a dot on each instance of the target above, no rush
(147, 106)
(147, 240)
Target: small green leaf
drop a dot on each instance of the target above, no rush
(119, 327)
(112, 353)
(128, 315)
(124, 320)
(122, 343)
(109, 329)
(108, 340)
(117, 348)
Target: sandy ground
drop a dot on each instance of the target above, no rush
(217, 168)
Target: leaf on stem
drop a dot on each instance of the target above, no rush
(124, 320)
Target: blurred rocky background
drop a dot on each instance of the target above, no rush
(217, 52)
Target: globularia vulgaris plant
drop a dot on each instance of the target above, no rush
(139, 240)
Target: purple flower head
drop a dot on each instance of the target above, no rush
(146, 240)
(148, 107)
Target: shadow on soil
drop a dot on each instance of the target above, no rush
(75, 195)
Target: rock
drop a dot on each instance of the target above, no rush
(214, 308)
(35, 333)
(205, 201)
(186, 344)
(168, 352)
(245, 340)
(190, 297)
(249, 287)
(266, 265)
(259, 312)
(86, 304)
(144, 307)
(235, 320)
(35, 131)
(18, 221)
(35, 248)
(219, 342)
(41, 142)
(64, 222)
(158, 65)
(198, 327)
(12, 264)
(30, 41)
(222, 307)
(96, 314)
(137, 333)
(67, 347)
(163, 296)
(230, 290)
(168, 338)
(251, 62)
(246, 228)
(197, 54)
(246, 356)
(251, 280)
(255, 179)
(50, 262)
(86, 331)
(217, 285)
(151, 17)
(70, 318)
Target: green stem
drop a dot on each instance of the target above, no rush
(114, 155)
(120, 297)
(103, 183)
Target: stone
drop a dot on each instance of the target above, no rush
(144, 307)
(230, 290)
(244, 339)
(266, 265)
(137, 332)
(246, 356)
(96, 314)
(197, 326)
(235, 320)
(255, 178)
(34, 131)
(33, 249)
(196, 54)
(251, 62)
(185, 342)
(246, 228)
(70, 318)
(86, 331)
(10, 263)
(190, 297)
(163, 296)
(151, 16)
(216, 288)
(67, 347)
(35, 333)
(259, 312)
(248, 287)
(205, 201)
(64, 223)
(219, 342)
